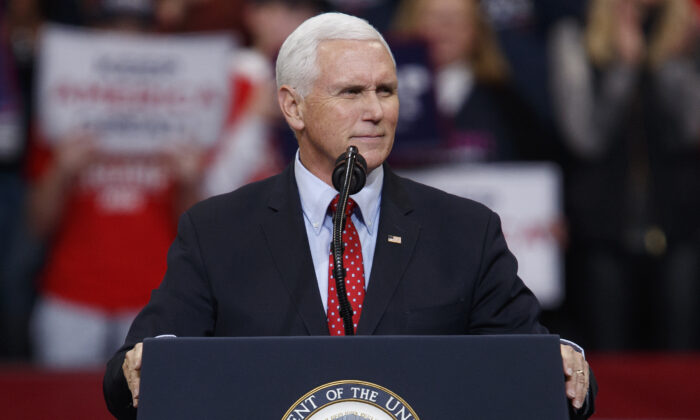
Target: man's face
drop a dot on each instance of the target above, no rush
(353, 101)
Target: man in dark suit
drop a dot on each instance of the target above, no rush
(255, 261)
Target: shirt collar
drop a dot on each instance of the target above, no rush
(316, 195)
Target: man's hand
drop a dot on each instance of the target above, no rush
(132, 371)
(576, 372)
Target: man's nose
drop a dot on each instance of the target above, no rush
(373, 110)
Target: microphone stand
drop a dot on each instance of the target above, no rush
(350, 158)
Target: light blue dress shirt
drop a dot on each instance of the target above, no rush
(315, 196)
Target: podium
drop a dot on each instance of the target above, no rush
(353, 378)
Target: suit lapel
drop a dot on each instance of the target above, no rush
(390, 258)
(286, 238)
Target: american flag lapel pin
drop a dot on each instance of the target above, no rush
(394, 239)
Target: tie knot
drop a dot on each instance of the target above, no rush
(348, 209)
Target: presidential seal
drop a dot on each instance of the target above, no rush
(350, 400)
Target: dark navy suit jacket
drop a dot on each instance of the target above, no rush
(241, 266)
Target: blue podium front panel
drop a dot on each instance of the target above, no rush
(357, 378)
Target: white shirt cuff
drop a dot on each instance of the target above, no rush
(574, 345)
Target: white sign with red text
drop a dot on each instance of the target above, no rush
(527, 197)
(134, 92)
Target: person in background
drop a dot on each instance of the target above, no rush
(199, 16)
(483, 118)
(253, 143)
(107, 220)
(18, 22)
(627, 91)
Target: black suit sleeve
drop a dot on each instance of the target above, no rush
(183, 305)
(501, 302)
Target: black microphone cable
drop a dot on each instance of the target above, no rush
(349, 176)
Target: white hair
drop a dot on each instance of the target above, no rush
(296, 62)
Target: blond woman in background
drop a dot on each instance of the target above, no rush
(627, 91)
(482, 117)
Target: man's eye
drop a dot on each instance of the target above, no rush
(385, 91)
(351, 91)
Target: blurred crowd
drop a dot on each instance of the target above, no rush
(608, 90)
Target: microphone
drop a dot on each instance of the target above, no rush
(349, 176)
(350, 162)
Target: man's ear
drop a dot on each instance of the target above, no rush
(292, 107)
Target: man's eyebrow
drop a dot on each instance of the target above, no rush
(388, 85)
(362, 86)
(352, 86)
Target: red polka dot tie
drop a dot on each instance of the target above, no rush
(354, 274)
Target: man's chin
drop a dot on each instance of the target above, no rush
(374, 160)
(374, 156)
